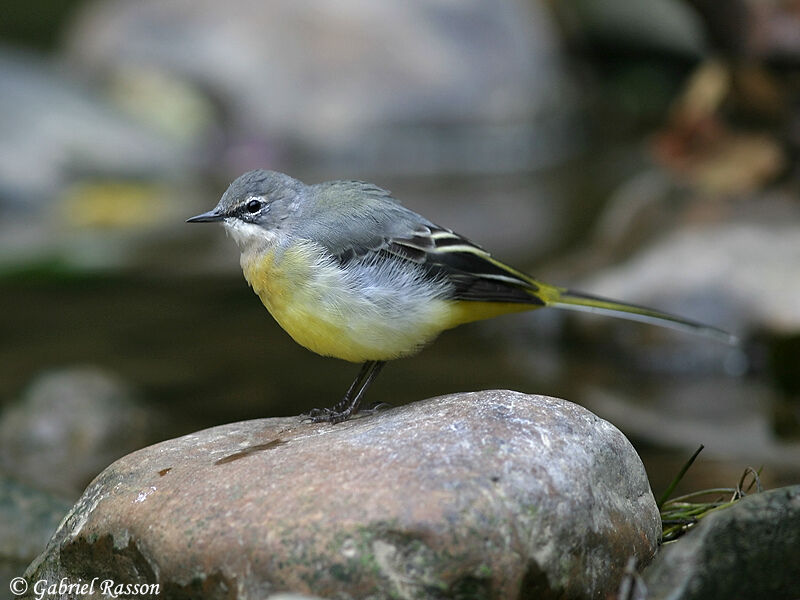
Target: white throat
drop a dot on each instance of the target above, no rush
(249, 236)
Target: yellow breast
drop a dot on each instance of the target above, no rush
(329, 312)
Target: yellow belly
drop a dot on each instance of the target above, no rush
(309, 299)
(313, 300)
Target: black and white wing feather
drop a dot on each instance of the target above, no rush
(471, 271)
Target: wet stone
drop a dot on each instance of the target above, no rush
(750, 550)
(490, 494)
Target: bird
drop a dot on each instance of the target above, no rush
(349, 272)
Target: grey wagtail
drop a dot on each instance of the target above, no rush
(350, 273)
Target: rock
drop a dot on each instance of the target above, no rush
(750, 550)
(28, 517)
(738, 269)
(490, 494)
(68, 426)
(408, 88)
(50, 119)
(73, 167)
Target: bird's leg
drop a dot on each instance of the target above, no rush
(352, 391)
(343, 410)
(318, 415)
(348, 405)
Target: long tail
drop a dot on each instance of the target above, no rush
(477, 277)
(573, 300)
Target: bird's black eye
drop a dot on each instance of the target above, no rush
(253, 206)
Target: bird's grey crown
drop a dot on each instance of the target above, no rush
(270, 185)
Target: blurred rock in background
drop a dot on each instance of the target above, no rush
(56, 129)
(69, 425)
(410, 88)
(79, 179)
(150, 109)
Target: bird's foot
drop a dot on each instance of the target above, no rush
(341, 412)
(329, 415)
(349, 405)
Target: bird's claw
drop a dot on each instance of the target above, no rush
(376, 406)
(327, 415)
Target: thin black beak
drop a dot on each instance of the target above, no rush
(206, 217)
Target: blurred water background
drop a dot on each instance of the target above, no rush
(646, 151)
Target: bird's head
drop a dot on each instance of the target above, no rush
(255, 206)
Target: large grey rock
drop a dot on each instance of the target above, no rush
(751, 550)
(69, 425)
(491, 494)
